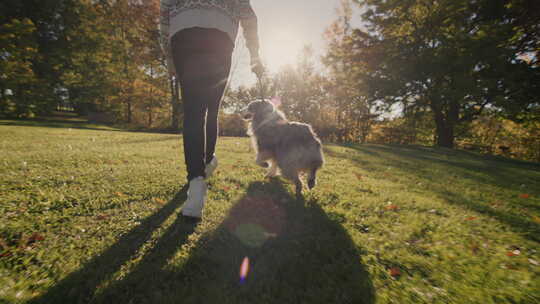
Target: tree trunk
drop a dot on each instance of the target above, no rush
(445, 122)
(445, 135)
(129, 110)
(413, 129)
(126, 73)
(3, 101)
(175, 98)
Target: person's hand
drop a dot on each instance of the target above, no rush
(257, 67)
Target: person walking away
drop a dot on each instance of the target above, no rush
(198, 37)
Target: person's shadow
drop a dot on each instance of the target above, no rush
(295, 254)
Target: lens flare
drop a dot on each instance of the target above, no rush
(252, 235)
(244, 269)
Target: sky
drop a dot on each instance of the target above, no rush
(285, 26)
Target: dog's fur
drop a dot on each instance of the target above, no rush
(291, 147)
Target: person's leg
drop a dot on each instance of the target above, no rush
(202, 68)
(202, 97)
(203, 59)
(194, 107)
(214, 100)
(194, 131)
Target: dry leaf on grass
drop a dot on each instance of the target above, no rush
(391, 207)
(513, 253)
(158, 200)
(394, 272)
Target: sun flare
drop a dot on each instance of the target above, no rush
(280, 48)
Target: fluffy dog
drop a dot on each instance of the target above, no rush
(291, 147)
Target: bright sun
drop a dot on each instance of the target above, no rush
(280, 48)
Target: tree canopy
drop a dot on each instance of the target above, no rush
(454, 57)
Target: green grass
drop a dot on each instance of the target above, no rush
(92, 216)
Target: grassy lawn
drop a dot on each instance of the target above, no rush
(91, 215)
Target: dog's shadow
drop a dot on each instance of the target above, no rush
(296, 254)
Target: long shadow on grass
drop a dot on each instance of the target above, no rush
(80, 125)
(296, 255)
(501, 172)
(59, 124)
(498, 171)
(80, 286)
(417, 161)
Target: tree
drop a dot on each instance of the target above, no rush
(236, 100)
(16, 75)
(447, 56)
(354, 111)
(300, 90)
(42, 26)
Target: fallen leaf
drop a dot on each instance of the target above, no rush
(158, 200)
(35, 237)
(358, 176)
(470, 218)
(391, 207)
(524, 195)
(513, 253)
(226, 189)
(534, 262)
(5, 254)
(119, 194)
(101, 217)
(536, 219)
(394, 272)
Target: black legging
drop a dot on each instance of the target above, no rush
(203, 61)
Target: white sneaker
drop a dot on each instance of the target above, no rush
(196, 197)
(211, 167)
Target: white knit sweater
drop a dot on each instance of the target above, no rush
(224, 15)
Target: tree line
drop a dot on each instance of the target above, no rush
(98, 56)
(445, 72)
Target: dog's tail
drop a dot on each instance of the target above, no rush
(312, 174)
